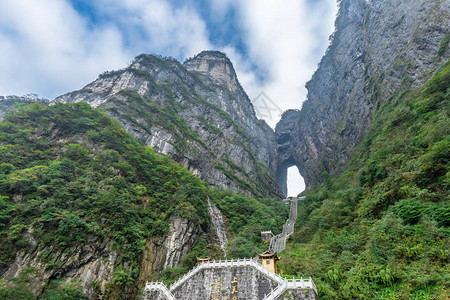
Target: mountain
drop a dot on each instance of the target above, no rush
(381, 229)
(86, 209)
(197, 112)
(123, 180)
(372, 142)
(379, 48)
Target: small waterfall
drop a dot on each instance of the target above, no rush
(218, 224)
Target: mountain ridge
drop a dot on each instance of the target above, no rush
(214, 126)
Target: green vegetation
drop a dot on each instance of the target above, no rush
(74, 172)
(209, 126)
(381, 229)
(247, 217)
(70, 175)
(56, 290)
(443, 46)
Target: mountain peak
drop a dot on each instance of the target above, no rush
(209, 54)
(215, 65)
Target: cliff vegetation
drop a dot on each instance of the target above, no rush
(70, 177)
(381, 229)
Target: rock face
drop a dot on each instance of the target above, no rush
(197, 112)
(218, 225)
(167, 251)
(93, 262)
(379, 48)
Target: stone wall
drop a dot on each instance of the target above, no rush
(241, 282)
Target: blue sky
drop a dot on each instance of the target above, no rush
(51, 47)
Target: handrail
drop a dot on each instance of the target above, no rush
(288, 284)
(149, 286)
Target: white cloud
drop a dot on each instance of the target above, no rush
(170, 30)
(285, 41)
(47, 48)
(283, 38)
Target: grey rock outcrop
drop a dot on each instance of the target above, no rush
(93, 262)
(162, 252)
(218, 225)
(379, 48)
(197, 112)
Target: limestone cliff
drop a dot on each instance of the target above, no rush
(197, 112)
(93, 264)
(379, 48)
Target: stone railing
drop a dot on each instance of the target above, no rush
(267, 232)
(252, 262)
(159, 286)
(290, 284)
(266, 235)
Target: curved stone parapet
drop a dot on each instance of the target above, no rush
(225, 279)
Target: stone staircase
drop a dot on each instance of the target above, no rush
(252, 262)
(278, 242)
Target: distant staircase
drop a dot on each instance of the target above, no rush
(278, 242)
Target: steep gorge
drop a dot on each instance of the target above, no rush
(199, 114)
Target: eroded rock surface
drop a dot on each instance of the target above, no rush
(379, 48)
(197, 112)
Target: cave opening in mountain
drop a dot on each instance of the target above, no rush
(295, 182)
(289, 177)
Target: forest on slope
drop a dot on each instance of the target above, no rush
(381, 229)
(71, 176)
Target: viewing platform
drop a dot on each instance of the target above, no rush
(224, 279)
